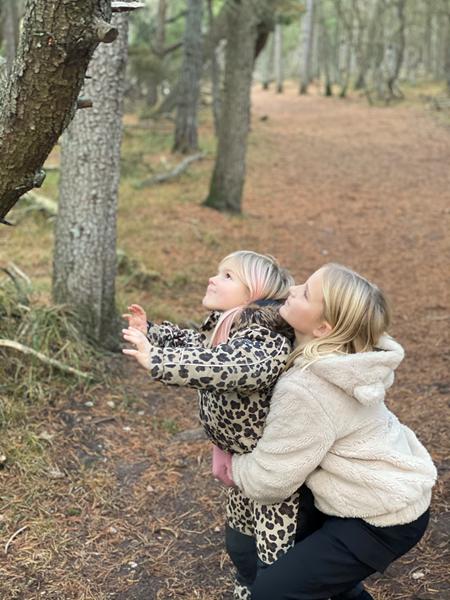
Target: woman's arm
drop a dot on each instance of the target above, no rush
(250, 361)
(297, 435)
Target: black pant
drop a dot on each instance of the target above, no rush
(242, 550)
(334, 558)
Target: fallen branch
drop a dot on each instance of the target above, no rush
(45, 359)
(21, 281)
(14, 535)
(163, 177)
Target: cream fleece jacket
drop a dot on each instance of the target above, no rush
(328, 425)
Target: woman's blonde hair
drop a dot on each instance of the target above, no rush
(263, 277)
(357, 311)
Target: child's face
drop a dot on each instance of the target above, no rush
(225, 290)
(303, 308)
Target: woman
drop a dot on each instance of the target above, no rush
(328, 426)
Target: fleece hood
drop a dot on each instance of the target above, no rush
(365, 375)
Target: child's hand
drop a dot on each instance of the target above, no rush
(142, 347)
(136, 318)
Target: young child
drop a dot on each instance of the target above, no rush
(234, 361)
(328, 426)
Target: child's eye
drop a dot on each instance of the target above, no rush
(228, 275)
(304, 293)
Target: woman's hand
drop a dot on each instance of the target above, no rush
(136, 318)
(221, 466)
(142, 347)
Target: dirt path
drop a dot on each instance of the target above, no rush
(327, 180)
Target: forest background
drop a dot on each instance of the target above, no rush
(314, 131)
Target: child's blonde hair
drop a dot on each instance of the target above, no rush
(357, 310)
(263, 277)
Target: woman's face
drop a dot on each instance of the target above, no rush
(225, 290)
(303, 308)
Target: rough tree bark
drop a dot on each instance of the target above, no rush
(10, 29)
(186, 136)
(308, 34)
(85, 244)
(40, 99)
(245, 39)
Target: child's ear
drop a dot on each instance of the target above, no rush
(323, 329)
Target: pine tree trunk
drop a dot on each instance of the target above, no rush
(367, 55)
(278, 43)
(325, 53)
(227, 181)
(308, 35)
(10, 29)
(428, 38)
(447, 53)
(209, 42)
(186, 136)
(267, 66)
(41, 94)
(400, 43)
(345, 77)
(85, 244)
(335, 50)
(215, 76)
(361, 26)
(158, 48)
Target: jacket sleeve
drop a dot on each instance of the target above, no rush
(249, 361)
(297, 435)
(168, 334)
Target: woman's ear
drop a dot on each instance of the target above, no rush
(323, 329)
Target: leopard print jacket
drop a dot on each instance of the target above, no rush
(235, 382)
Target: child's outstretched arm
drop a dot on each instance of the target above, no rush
(249, 361)
(142, 347)
(166, 334)
(136, 317)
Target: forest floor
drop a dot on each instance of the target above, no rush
(114, 504)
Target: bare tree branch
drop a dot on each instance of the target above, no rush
(40, 96)
(42, 357)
